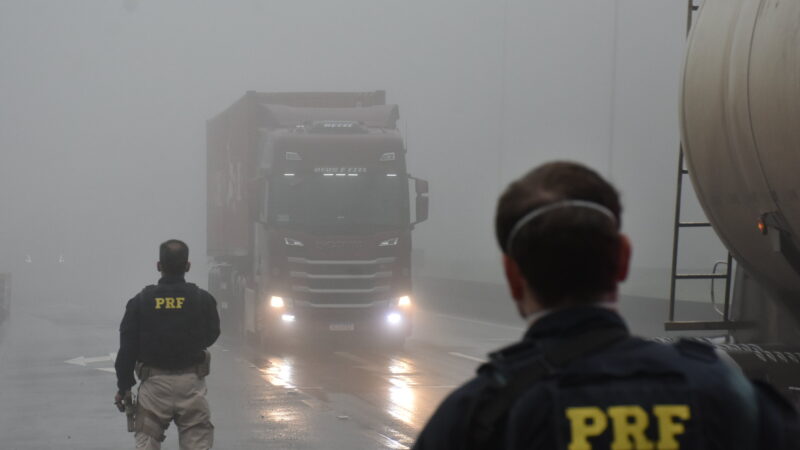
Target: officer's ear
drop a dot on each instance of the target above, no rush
(188, 266)
(158, 267)
(624, 258)
(516, 283)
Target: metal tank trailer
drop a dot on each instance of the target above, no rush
(740, 125)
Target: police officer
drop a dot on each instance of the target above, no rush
(578, 380)
(164, 335)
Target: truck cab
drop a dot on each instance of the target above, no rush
(332, 208)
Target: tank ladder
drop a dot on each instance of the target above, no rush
(676, 325)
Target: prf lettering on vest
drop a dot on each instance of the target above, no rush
(170, 302)
(628, 426)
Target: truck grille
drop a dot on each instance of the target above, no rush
(345, 282)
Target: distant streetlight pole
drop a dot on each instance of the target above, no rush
(501, 143)
(613, 95)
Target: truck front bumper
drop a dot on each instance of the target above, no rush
(371, 320)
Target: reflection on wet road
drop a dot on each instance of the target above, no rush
(55, 389)
(356, 396)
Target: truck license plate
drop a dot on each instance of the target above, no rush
(342, 327)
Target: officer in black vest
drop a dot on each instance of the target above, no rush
(164, 337)
(578, 380)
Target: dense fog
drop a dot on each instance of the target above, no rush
(103, 110)
(104, 106)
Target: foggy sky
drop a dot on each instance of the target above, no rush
(103, 107)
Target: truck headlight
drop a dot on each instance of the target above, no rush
(389, 242)
(404, 301)
(394, 318)
(292, 242)
(276, 302)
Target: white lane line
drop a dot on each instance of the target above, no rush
(482, 322)
(391, 443)
(106, 369)
(471, 358)
(83, 361)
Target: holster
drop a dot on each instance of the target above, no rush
(130, 411)
(142, 372)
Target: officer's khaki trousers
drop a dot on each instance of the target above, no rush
(178, 397)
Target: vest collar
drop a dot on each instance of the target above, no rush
(171, 279)
(574, 320)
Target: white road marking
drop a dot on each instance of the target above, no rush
(391, 443)
(106, 369)
(83, 361)
(471, 358)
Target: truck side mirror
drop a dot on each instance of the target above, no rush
(421, 186)
(421, 203)
(422, 209)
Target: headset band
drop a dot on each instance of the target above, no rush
(528, 218)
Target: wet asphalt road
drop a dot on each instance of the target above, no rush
(57, 385)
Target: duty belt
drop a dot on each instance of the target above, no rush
(202, 369)
(157, 371)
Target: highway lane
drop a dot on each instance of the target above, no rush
(56, 385)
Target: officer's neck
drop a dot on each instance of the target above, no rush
(534, 310)
(171, 278)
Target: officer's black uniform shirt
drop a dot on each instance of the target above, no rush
(633, 374)
(167, 326)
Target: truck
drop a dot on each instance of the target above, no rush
(740, 107)
(309, 217)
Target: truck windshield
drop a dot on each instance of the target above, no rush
(324, 201)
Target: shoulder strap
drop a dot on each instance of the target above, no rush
(489, 410)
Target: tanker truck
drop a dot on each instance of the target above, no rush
(309, 217)
(740, 110)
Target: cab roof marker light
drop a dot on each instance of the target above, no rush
(288, 174)
(327, 174)
(352, 174)
(340, 174)
(391, 174)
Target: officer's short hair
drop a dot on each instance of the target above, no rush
(173, 256)
(568, 254)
